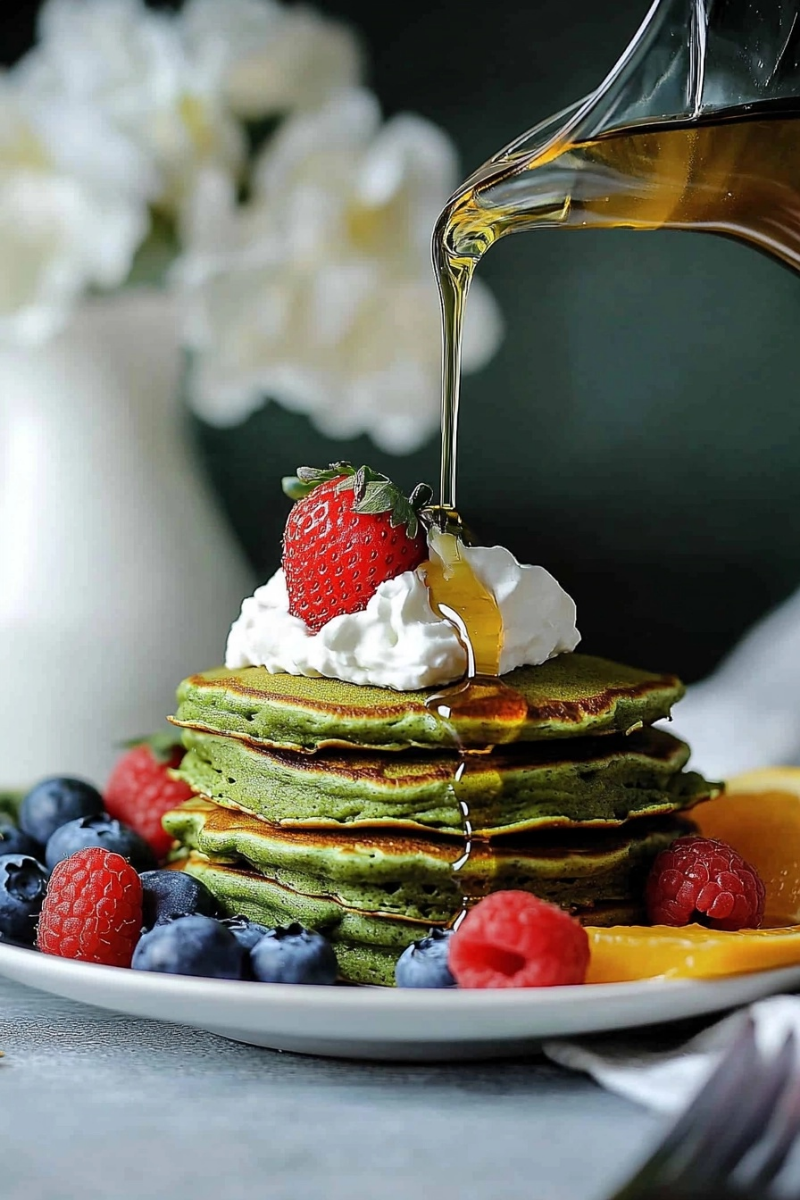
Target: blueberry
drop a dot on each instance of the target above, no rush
(294, 955)
(190, 946)
(102, 831)
(7, 941)
(53, 802)
(23, 883)
(14, 841)
(246, 932)
(424, 964)
(168, 894)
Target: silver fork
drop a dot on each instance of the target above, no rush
(734, 1138)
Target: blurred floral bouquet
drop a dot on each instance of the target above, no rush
(230, 151)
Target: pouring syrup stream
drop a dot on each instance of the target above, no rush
(732, 172)
(481, 701)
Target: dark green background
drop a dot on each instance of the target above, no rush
(638, 432)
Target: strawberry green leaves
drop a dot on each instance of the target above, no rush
(298, 486)
(373, 493)
(381, 496)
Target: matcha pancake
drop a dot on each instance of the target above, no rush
(414, 876)
(367, 942)
(573, 695)
(603, 781)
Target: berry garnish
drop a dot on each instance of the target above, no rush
(191, 946)
(141, 790)
(246, 932)
(14, 841)
(103, 831)
(294, 955)
(423, 964)
(168, 894)
(54, 802)
(704, 880)
(93, 909)
(348, 533)
(514, 939)
(23, 883)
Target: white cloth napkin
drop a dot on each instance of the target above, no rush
(747, 714)
(667, 1079)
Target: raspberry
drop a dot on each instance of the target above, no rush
(704, 880)
(93, 909)
(514, 939)
(140, 791)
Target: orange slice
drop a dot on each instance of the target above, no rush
(627, 952)
(759, 815)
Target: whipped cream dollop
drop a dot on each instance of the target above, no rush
(398, 641)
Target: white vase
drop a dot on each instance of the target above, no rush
(118, 576)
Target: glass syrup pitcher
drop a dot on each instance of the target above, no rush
(695, 128)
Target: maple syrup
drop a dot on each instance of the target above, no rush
(736, 173)
(458, 595)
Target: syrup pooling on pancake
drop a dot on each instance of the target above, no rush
(571, 696)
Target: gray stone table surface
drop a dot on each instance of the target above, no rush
(95, 1105)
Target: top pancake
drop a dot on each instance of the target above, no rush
(574, 695)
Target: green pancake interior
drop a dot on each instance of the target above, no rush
(367, 943)
(415, 876)
(573, 695)
(589, 780)
(345, 807)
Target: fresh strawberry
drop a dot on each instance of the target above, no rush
(140, 789)
(349, 532)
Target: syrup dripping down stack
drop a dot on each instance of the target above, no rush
(373, 815)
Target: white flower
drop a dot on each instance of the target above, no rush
(176, 85)
(319, 293)
(131, 65)
(72, 210)
(270, 58)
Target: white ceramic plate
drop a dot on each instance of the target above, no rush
(384, 1023)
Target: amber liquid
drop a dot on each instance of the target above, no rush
(737, 175)
(459, 596)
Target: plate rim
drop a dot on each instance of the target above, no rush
(330, 996)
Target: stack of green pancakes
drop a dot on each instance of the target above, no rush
(364, 813)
